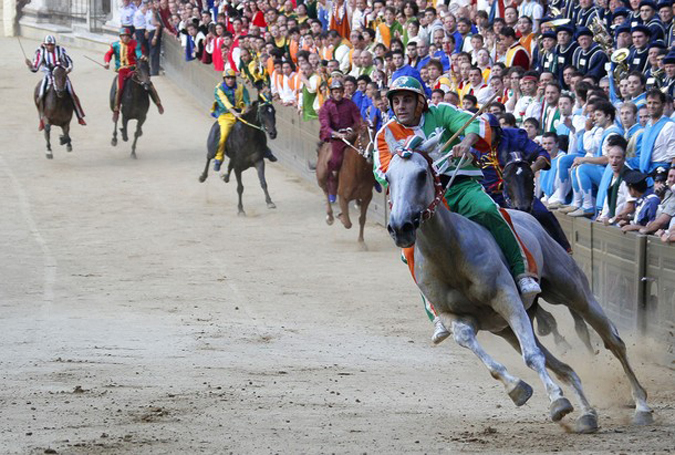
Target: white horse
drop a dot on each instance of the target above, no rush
(461, 269)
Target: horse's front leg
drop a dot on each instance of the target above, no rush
(113, 142)
(509, 305)
(123, 130)
(260, 167)
(137, 134)
(344, 213)
(465, 335)
(48, 153)
(364, 203)
(240, 191)
(65, 139)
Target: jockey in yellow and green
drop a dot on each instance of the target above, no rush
(231, 99)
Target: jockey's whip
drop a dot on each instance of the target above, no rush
(468, 122)
(91, 59)
(454, 136)
(22, 50)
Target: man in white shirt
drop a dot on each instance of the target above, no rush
(140, 27)
(127, 11)
(658, 139)
(531, 9)
(617, 203)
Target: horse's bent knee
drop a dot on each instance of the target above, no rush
(463, 335)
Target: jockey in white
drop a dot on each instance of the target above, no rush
(47, 57)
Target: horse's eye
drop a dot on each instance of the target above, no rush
(422, 177)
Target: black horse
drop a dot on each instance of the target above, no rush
(57, 108)
(518, 193)
(134, 103)
(246, 147)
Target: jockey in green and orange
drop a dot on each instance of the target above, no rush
(127, 52)
(231, 99)
(417, 126)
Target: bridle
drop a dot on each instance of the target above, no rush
(439, 189)
(366, 152)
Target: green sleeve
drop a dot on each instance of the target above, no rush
(454, 119)
(247, 99)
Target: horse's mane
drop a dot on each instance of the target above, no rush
(251, 113)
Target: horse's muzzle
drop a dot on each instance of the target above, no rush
(404, 234)
(273, 134)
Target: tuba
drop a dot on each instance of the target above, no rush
(618, 57)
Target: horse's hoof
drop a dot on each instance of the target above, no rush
(329, 220)
(521, 393)
(113, 142)
(363, 246)
(69, 148)
(241, 213)
(586, 424)
(560, 408)
(202, 178)
(49, 155)
(643, 418)
(271, 205)
(133, 155)
(226, 178)
(346, 223)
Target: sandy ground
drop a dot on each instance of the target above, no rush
(140, 315)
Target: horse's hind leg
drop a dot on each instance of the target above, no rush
(240, 191)
(137, 134)
(546, 324)
(588, 421)
(260, 167)
(465, 336)
(48, 153)
(595, 316)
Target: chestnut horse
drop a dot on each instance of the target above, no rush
(355, 180)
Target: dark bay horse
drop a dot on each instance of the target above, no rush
(355, 181)
(57, 108)
(246, 147)
(134, 103)
(519, 194)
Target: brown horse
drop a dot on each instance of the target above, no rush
(57, 108)
(355, 181)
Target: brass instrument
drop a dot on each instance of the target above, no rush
(621, 69)
(601, 35)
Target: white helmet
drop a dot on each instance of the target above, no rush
(49, 39)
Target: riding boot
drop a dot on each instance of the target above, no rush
(332, 185)
(79, 112)
(41, 125)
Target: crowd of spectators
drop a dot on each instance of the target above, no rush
(591, 81)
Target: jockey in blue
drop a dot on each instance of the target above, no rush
(506, 142)
(47, 57)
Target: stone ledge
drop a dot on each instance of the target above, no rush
(99, 42)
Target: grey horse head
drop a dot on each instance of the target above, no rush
(411, 192)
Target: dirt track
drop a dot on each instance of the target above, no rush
(140, 315)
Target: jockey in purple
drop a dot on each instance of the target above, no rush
(506, 141)
(47, 57)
